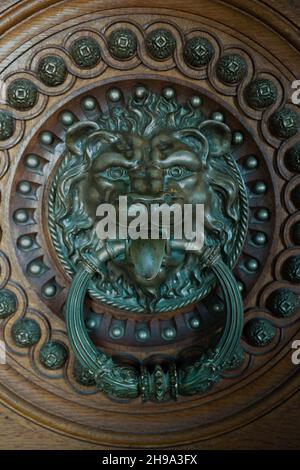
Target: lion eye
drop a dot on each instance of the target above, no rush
(115, 173)
(178, 172)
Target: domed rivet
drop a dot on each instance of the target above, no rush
(252, 264)
(122, 44)
(283, 302)
(49, 289)
(22, 94)
(259, 332)
(26, 332)
(217, 116)
(260, 187)
(143, 334)
(263, 214)
(67, 118)
(195, 323)
(196, 101)
(8, 303)
(217, 306)
(89, 103)
(292, 158)
(259, 238)
(292, 269)
(116, 332)
(296, 233)
(160, 44)
(24, 187)
(231, 69)
(237, 138)
(21, 216)
(53, 355)
(86, 52)
(52, 70)
(25, 242)
(114, 95)
(296, 196)
(83, 375)
(35, 268)
(32, 161)
(198, 51)
(169, 333)
(261, 93)
(251, 162)
(46, 138)
(7, 125)
(169, 93)
(241, 286)
(140, 92)
(284, 123)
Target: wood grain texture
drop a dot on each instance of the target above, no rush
(261, 411)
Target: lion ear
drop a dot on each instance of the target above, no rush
(194, 139)
(77, 136)
(218, 136)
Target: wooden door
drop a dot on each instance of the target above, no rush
(231, 63)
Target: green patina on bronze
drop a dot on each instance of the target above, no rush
(26, 332)
(85, 52)
(160, 44)
(259, 332)
(283, 302)
(152, 149)
(22, 94)
(142, 141)
(122, 43)
(284, 123)
(198, 51)
(291, 269)
(261, 93)
(292, 158)
(53, 355)
(8, 303)
(7, 125)
(231, 68)
(52, 70)
(128, 382)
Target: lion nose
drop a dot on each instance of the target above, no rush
(147, 180)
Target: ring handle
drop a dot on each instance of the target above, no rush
(127, 382)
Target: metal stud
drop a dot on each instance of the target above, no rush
(26, 332)
(32, 161)
(263, 214)
(46, 138)
(284, 123)
(251, 163)
(160, 44)
(89, 103)
(283, 302)
(8, 303)
(53, 355)
(21, 216)
(259, 332)
(114, 95)
(24, 188)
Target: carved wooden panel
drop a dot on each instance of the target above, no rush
(64, 62)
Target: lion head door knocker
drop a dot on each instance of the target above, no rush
(153, 150)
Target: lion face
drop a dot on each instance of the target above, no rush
(150, 164)
(159, 169)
